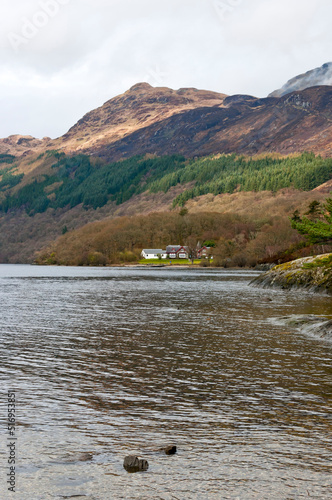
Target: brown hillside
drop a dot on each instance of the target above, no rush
(297, 122)
(139, 107)
(194, 123)
(33, 233)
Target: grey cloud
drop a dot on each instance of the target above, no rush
(92, 50)
(317, 76)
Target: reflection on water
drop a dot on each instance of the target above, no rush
(119, 361)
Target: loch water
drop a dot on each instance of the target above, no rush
(107, 362)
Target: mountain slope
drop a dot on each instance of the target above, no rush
(142, 105)
(294, 123)
(138, 108)
(193, 122)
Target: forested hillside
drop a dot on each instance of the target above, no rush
(71, 181)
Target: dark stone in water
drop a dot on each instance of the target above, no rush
(170, 450)
(134, 464)
(85, 457)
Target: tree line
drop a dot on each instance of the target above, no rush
(236, 240)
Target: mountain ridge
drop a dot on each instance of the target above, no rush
(242, 124)
(295, 123)
(218, 123)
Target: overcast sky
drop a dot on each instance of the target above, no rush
(62, 58)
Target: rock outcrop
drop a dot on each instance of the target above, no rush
(22, 145)
(309, 273)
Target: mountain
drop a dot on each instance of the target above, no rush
(191, 122)
(196, 122)
(157, 149)
(294, 123)
(140, 107)
(312, 78)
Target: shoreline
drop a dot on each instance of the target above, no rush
(180, 266)
(139, 266)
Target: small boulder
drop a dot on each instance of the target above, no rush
(170, 450)
(134, 464)
(85, 457)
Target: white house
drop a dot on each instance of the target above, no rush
(153, 253)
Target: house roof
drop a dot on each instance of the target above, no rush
(174, 248)
(153, 250)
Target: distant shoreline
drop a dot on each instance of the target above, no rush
(180, 266)
(146, 266)
(159, 266)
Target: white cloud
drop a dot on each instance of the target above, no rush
(91, 50)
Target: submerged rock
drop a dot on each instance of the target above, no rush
(316, 326)
(170, 450)
(134, 464)
(325, 330)
(85, 457)
(300, 320)
(310, 273)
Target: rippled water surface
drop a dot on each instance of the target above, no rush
(119, 361)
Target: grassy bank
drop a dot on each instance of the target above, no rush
(170, 262)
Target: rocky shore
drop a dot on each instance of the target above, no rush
(309, 273)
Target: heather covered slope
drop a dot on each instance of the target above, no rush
(138, 108)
